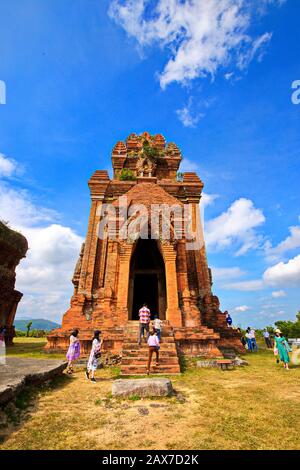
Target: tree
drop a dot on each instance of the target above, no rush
(290, 329)
(28, 326)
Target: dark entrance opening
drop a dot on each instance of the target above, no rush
(147, 280)
(145, 291)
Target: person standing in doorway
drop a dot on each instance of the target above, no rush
(145, 317)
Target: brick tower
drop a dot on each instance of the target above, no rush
(145, 244)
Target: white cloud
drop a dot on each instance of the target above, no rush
(228, 75)
(186, 117)
(280, 275)
(292, 242)
(201, 36)
(242, 308)
(284, 274)
(17, 208)
(235, 226)
(8, 166)
(222, 274)
(189, 117)
(258, 48)
(208, 199)
(245, 286)
(278, 294)
(188, 165)
(44, 276)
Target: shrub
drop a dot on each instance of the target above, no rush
(126, 175)
(20, 333)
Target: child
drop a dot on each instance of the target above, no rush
(95, 354)
(73, 351)
(157, 326)
(153, 343)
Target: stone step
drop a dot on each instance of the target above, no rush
(135, 346)
(145, 354)
(135, 335)
(135, 356)
(164, 338)
(143, 360)
(142, 370)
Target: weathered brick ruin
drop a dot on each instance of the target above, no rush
(116, 274)
(13, 247)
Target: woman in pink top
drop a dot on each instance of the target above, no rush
(153, 343)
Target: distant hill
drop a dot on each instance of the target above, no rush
(37, 324)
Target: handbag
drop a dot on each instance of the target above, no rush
(97, 354)
(286, 346)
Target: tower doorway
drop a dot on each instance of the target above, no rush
(147, 283)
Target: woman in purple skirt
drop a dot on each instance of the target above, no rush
(73, 351)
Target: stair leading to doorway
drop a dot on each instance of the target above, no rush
(135, 357)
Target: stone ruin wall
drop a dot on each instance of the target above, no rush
(13, 247)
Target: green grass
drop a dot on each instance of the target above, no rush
(134, 398)
(252, 407)
(31, 347)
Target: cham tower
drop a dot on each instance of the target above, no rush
(128, 260)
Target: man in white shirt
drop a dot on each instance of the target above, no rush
(145, 317)
(267, 339)
(253, 340)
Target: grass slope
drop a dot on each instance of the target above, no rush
(256, 407)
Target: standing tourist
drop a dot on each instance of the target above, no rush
(153, 343)
(253, 339)
(145, 316)
(242, 337)
(228, 320)
(267, 339)
(2, 346)
(282, 348)
(157, 326)
(73, 351)
(248, 337)
(95, 354)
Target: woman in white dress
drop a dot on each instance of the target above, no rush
(95, 354)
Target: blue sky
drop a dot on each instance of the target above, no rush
(81, 75)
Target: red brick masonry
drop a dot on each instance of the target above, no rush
(104, 276)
